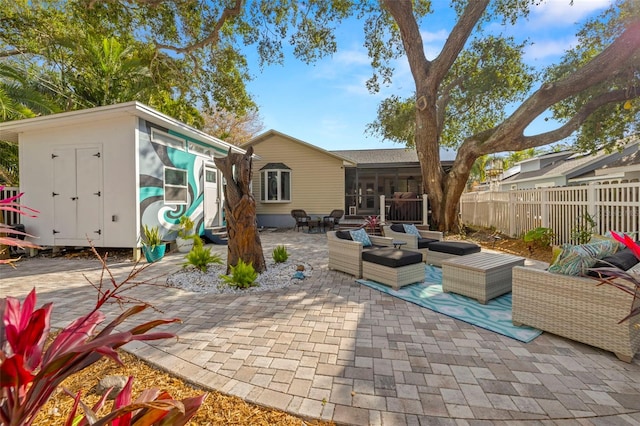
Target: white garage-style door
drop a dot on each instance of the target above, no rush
(77, 195)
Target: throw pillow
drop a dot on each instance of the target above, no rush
(344, 235)
(606, 237)
(576, 260)
(397, 227)
(411, 229)
(361, 236)
(573, 260)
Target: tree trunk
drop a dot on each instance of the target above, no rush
(240, 211)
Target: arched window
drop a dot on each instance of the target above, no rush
(275, 183)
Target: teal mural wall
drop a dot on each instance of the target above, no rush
(154, 158)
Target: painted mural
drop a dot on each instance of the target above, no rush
(154, 159)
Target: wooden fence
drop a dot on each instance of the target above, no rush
(564, 209)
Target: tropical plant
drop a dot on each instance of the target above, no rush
(151, 236)
(200, 257)
(243, 275)
(629, 276)
(280, 254)
(29, 373)
(372, 222)
(9, 237)
(583, 230)
(186, 226)
(539, 236)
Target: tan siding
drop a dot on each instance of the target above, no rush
(317, 179)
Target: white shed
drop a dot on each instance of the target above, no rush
(100, 174)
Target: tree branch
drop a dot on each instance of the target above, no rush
(575, 122)
(12, 52)
(214, 35)
(402, 12)
(457, 39)
(604, 66)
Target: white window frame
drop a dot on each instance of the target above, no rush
(200, 150)
(264, 187)
(166, 139)
(184, 187)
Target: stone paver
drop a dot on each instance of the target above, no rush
(331, 349)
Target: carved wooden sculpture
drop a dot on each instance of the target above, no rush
(240, 211)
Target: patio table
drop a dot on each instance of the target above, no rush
(482, 276)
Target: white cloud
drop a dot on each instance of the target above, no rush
(438, 36)
(544, 49)
(433, 42)
(563, 13)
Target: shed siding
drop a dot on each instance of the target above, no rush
(115, 136)
(317, 179)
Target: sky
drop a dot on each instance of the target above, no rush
(327, 103)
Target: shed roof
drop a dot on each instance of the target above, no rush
(9, 131)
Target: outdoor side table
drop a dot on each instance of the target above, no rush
(398, 244)
(482, 276)
(314, 225)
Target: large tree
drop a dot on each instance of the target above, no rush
(587, 91)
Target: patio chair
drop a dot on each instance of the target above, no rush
(331, 221)
(346, 255)
(301, 217)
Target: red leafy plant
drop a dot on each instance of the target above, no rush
(9, 235)
(607, 275)
(372, 223)
(29, 373)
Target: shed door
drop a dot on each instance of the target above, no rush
(77, 195)
(211, 198)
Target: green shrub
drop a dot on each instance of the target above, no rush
(280, 254)
(582, 231)
(186, 226)
(199, 256)
(242, 275)
(151, 236)
(540, 236)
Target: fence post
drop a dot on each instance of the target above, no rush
(544, 208)
(592, 195)
(425, 209)
(512, 213)
(383, 210)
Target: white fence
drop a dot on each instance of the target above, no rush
(10, 218)
(612, 206)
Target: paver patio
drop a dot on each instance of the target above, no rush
(333, 349)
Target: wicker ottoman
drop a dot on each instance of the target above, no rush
(481, 276)
(443, 250)
(393, 267)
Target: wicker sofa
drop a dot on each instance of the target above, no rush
(576, 308)
(346, 255)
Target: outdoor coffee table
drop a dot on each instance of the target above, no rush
(482, 276)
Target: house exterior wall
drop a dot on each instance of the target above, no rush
(317, 181)
(153, 159)
(114, 137)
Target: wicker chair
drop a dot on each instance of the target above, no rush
(333, 220)
(412, 240)
(301, 217)
(576, 308)
(346, 255)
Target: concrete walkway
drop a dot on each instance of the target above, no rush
(332, 349)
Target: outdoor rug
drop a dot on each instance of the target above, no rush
(494, 316)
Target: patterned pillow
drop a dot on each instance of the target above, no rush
(361, 236)
(411, 229)
(576, 260)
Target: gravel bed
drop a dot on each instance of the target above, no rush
(277, 275)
